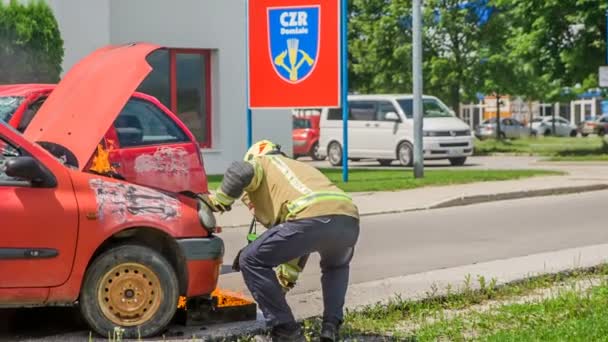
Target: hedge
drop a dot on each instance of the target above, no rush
(31, 48)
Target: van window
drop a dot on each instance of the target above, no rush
(334, 114)
(385, 107)
(431, 108)
(362, 110)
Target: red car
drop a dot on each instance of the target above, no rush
(305, 136)
(147, 143)
(123, 253)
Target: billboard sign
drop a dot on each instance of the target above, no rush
(294, 53)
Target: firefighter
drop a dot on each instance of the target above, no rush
(305, 213)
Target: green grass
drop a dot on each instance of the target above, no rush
(573, 314)
(558, 149)
(391, 180)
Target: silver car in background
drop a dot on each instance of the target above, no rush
(509, 128)
(544, 126)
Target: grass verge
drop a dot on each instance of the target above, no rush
(564, 310)
(391, 180)
(557, 149)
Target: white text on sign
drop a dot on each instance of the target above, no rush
(294, 22)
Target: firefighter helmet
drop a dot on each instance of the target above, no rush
(261, 148)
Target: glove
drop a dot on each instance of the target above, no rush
(287, 274)
(236, 266)
(214, 203)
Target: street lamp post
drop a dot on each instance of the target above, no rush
(417, 72)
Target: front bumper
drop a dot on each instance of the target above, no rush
(204, 257)
(300, 147)
(444, 147)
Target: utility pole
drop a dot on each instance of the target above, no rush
(417, 72)
(498, 135)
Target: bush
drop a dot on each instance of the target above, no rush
(31, 48)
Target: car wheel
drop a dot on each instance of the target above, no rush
(502, 135)
(385, 162)
(573, 134)
(584, 135)
(458, 161)
(314, 152)
(405, 154)
(132, 287)
(547, 133)
(335, 154)
(601, 132)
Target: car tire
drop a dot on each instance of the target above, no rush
(601, 132)
(459, 161)
(405, 154)
(314, 152)
(132, 287)
(334, 154)
(385, 162)
(573, 134)
(584, 135)
(547, 133)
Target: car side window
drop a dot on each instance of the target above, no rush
(385, 107)
(141, 123)
(363, 110)
(334, 114)
(29, 114)
(7, 152)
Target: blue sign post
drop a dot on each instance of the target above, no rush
(344, 48)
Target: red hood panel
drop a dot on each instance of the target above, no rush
(83, 106)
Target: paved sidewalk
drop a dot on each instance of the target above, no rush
(374, 203)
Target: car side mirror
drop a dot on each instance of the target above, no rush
(29, 169)
(392, 116)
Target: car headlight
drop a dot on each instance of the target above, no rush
(206, 217)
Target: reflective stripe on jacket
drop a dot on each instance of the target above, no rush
(284, 189)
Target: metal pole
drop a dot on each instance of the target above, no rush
(344, 100)
(248, 109)
(417, 72)
(606, 36)
(498, 135)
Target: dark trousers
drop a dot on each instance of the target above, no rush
(333, 237)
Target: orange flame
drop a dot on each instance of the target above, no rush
(181, 304)
(230, 298)
(101, 161)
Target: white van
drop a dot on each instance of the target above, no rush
(381, 127)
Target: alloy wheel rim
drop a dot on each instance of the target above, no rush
(404, 154)
(130, 294)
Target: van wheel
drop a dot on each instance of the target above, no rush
(385, 162)
(405, 154)
(314, 152)
(335, 154)
(132, 287)
(458, 161)
(573, 134)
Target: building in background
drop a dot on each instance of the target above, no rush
(201, 76)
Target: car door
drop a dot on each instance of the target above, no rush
(148, 147)
(385, 132)
(39, 225)
(363, 117)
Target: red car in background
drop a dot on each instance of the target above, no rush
(147, 144)
(305, 136)
(123, 253)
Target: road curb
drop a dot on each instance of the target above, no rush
(478, 199)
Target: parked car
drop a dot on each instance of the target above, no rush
(509, 128)
(123, 253)
(147, 143)
(597, 126)
(305, 136)
(381, 128)
(544, 126)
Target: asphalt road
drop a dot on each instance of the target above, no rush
(400, 244)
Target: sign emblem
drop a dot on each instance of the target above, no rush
(294, 41)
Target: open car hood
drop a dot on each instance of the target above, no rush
(83, 106)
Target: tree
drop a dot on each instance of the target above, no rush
(380, 46)
(31, 48)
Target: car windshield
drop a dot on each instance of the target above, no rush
(8, 106)
(537, 120)
(431, 108)
(301, 123)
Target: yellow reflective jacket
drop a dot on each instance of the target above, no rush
(283, 189)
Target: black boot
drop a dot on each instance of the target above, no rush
(287, 332)
(329, 332)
